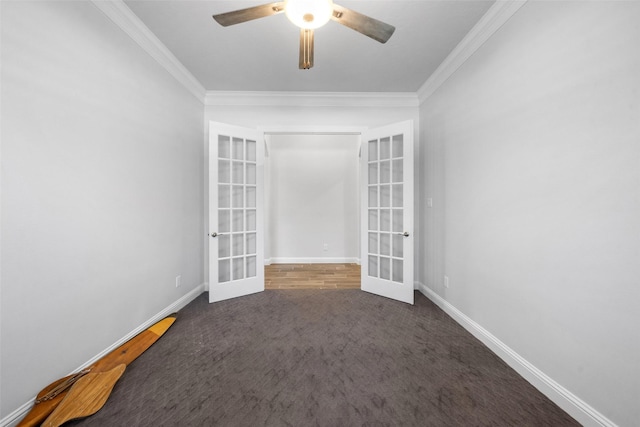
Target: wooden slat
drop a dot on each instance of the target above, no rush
(86, 397)
(48, 399)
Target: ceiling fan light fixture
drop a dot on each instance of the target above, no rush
(308, 14)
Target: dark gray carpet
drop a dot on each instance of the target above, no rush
(321, 358)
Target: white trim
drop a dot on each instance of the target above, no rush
(314, 260)
(311, 99)
(13, 418)
(1, 222)
(123, 17)
(576, 407)
(491, 22)
(311, 130)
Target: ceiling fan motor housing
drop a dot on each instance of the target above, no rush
(308, 14)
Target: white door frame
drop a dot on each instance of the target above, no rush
(311, 130)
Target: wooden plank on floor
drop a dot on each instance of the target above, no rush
(312, 276)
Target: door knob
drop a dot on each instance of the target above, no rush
(405, 234)
(214, 234)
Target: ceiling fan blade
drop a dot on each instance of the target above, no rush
(249, 14)
(306, 49)
(370, 27)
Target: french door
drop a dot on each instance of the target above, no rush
(236, 232)
(387, 211)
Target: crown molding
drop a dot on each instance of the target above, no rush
(124, 18)
(311, 99)
(496, 17)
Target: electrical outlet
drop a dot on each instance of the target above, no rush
(446, 281)
(178, 281)
(429, 202)
(325, 247)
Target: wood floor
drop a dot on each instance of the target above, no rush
(312, 276)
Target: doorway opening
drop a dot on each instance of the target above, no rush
(312, 211)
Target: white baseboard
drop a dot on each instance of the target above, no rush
(572, 404)
(317, 260)
(13, 418)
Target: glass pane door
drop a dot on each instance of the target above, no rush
(387, 262)
(236, 266)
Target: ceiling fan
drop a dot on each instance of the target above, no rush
(308, 15)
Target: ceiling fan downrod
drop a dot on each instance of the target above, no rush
(306, 49)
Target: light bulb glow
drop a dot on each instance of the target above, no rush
(308, 14)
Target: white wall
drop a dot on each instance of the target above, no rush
(299, 112)
(102, 183)
(532, 158)
(314, 198)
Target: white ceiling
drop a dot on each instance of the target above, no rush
(262, 55)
